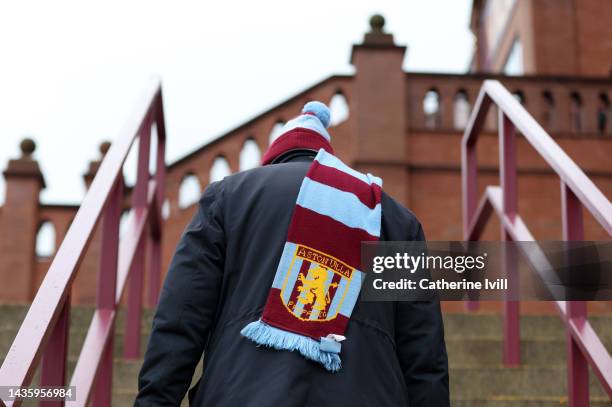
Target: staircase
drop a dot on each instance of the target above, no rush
(125, 372)
(474, 344)
(491, 363)
(479, 379)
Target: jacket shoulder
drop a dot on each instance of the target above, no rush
(398, 222)
(268, 174)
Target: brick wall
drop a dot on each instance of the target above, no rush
(387, 133)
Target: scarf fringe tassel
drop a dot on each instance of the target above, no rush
(266, 335)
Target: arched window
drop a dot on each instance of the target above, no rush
(461, 112)
(576, 111)
(123, 221)
(548, 109)
(219, 170)
(519, 96)
(45, 240)
(250, 156)
(130, 165)
(189, 191)
(153, 149)
(339, 109)
(431, 108)
(165, 210)
(276, 131)
(603, 112)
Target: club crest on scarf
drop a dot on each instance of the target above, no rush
(315, 285)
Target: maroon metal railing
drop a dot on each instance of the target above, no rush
(45, 330)
(583, 345)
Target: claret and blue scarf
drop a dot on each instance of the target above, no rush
(318, 280)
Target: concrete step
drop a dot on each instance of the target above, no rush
(532, 326)
(523, 402)
(470, 385)
(75, 343)
(476, 382)
(535, 351)
(474, 343)
(462, 325)
(125, 380)
(11, 317)
(127, 400)
(461, 351)
(466, 381)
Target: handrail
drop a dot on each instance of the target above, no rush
(569, 172)
(577, 190)
(46, 326)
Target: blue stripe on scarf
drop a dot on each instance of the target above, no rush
(346, 308)
(323, 157)
(324, 200)
(285, 262)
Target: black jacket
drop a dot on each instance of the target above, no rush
(218, 282)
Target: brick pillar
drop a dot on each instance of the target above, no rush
(19, 225)
(380, 108)
(447, 107)
(85, 283)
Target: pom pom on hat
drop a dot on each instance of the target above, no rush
(319, 110)
(315, 116)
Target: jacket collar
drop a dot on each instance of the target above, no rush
(295, 155)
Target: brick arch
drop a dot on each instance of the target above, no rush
(461, 108)
(576, 107)
(548, 110)
(432, 107)
(250, 162)
(217, 169)
(520, 96)
(603, 112)
(340, 107)
(275, 129)
(46, 230)
(187, 190)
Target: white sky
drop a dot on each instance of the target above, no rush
(71, 70)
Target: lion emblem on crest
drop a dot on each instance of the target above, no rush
(313, 290)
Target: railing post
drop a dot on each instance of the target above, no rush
(577, 364)
(508, 181)
(131, 349)
(160, 184)
(469, 185)
(53, 372)
(155, 257)
(107, 286)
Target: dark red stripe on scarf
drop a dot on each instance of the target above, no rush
(277, 315)
(298, 138)
(333, 177)
(313, 229)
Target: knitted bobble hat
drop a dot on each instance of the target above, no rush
(308, 130)
(315, 116)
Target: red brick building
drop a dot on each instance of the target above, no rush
(554, 55)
